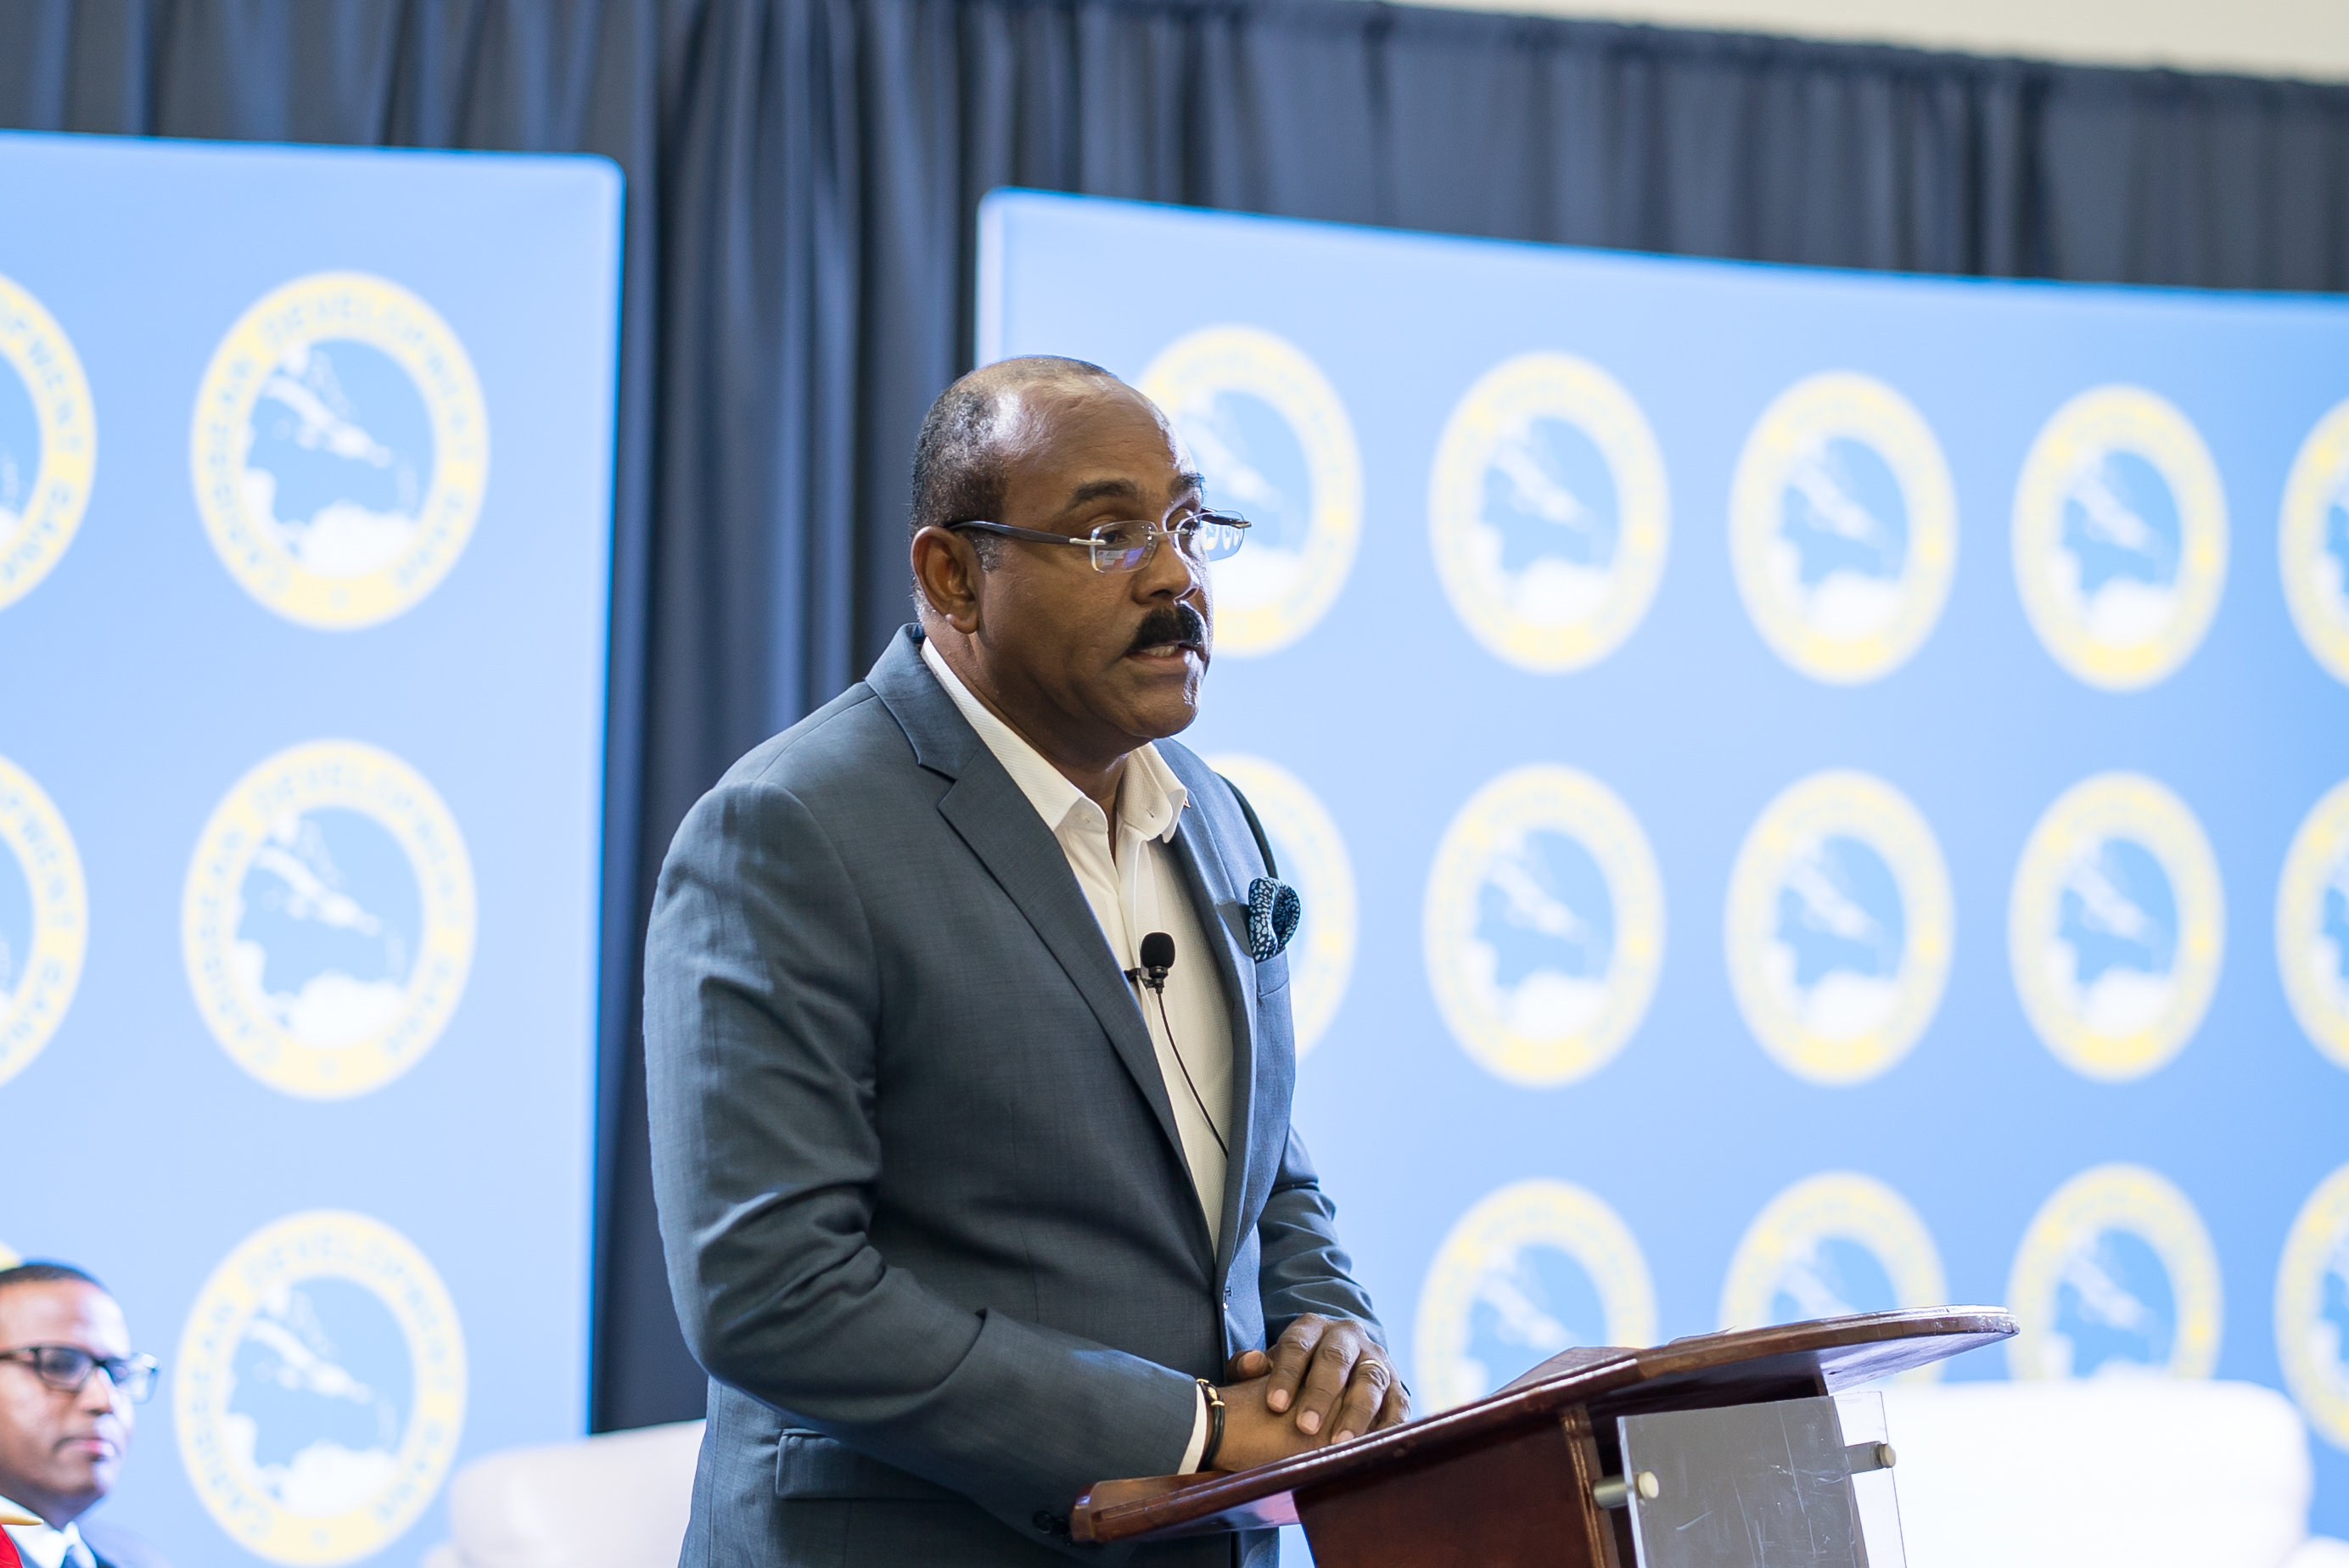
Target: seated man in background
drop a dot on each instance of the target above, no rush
(69, 1388)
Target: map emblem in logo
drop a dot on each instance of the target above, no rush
(1840, 927)
(2115, 1276)
(340, 451)
(320, 1388)
(2314, 541)
(2116, 926)
(1313, 858)
(1829, 1246)
(2311, 1308)
(1536, 1268)
(2312, 925)
(1268, 431)
(1544, 925)
(328, 920)
(44, 920)
(49, 442)
(1843, 527)
(2120, 537)
(1548, 511)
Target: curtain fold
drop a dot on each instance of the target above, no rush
(802, 179)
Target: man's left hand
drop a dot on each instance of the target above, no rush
(1336, 1376)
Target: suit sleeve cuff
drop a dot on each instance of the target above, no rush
(1198, 1446)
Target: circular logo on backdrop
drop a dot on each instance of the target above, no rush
(340, 451)
(2116, 926)
(2314, 542)
(320, 1388)
(2120, 537)
(1544, 926)
(328, 920)
(1312, 859)
(2115, 1275)
(1268, 431)
(1536, 1268)
(1829, 1246)
(49, 442)
(44, 920)
(1840, 927)
(1548, 511)
(1843, 527)
(2311, 1308)
(2312, 925)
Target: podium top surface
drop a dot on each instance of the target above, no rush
(1736, 1367)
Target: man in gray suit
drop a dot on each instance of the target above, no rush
(970, 1197)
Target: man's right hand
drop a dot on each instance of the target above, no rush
(1255, 1435)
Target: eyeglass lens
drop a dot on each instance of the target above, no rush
(1125, 546)
(67, 1367)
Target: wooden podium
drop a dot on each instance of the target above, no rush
(1509, 1481)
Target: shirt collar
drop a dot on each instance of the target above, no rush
(1150, 798)
(40, 1546)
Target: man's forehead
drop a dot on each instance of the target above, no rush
(60, 1312)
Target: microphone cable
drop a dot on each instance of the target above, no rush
(1157, 958)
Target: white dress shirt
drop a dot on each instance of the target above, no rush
(42, 1547)
(1135, 887)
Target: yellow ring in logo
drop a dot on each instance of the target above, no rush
(1784, 1241)
(1268, 595)
(2314, 962)
(1486, 1243)
(1848, 1027)
(345, 1036)
(37, 350)
(2316, 579)
(1552, 615)
(2125, 634)
(2057, 1253)
(2120, 1024)
(1312, 856)
(1851, 625)
(250, 1289)
(371, 566)
(38, 986)
(2314, 1352)
(1566, 1026)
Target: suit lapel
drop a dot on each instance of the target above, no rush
(1206, 876)
(1001, 827)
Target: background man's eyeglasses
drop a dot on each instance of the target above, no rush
(1127, 546)
(65, 1367)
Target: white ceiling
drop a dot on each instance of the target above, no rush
(2308, 39)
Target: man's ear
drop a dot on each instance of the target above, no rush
(945, 573)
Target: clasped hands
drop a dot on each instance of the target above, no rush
(1327, 1381)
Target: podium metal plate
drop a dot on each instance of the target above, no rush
(1775, 1485)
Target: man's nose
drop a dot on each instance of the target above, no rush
(98, 1392)
(1171, 572)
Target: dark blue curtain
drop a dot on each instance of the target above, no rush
(802, 176)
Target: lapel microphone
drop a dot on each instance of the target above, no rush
(1157, 958)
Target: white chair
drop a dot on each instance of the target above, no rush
(2135, 1472)
(619, 1500)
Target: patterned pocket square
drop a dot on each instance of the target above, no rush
(1274, 910)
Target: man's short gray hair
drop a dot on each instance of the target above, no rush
(960, 462)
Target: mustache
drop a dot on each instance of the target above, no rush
(1175, 623)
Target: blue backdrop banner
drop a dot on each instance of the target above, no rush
(1811, 791)
(304, 512)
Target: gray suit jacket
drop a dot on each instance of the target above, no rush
(928, 1223)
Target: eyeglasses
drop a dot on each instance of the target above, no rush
(1127, 546)
(65, 1367)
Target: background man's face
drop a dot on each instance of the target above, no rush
(59, 1453)
(1102, 648)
